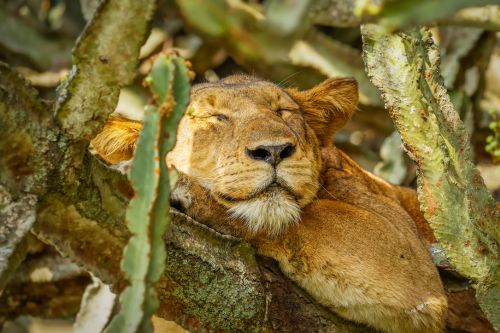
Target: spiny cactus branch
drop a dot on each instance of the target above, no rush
(452, 194)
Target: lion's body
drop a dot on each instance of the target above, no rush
(358, 252)
(355, 243)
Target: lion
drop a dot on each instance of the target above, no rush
(258, 161)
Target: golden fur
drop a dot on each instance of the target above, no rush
(354, 242)
(117, 141)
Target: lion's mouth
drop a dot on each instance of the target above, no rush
(277, 185)
(272, 210)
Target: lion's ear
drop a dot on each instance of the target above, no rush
(117, 140)
(328, 106)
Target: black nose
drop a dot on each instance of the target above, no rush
(271, 154)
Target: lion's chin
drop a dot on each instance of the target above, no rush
(270, 213)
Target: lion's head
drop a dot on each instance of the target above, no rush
(255, 147)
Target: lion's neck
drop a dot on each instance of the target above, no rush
(343, 179)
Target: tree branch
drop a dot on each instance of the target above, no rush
(26, 139)
(103, 64)
(17, 219)
(38, 156)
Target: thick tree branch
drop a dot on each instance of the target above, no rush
(103, 64)
(17, 219)
(26, 140)
(38, 156)
(27, 136)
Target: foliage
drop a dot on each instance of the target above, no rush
(493, 140)
(394, 15)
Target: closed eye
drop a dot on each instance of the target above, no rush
(282, 111)
(220, 117)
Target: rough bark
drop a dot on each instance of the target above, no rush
(211, 281)
(25, 140)
(45, 154)
(453, 198)
(17, 219)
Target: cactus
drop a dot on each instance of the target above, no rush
(147, 216)
(452, 194)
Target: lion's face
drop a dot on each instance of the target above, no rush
(252, 146)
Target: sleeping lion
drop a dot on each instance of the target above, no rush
(257, 161)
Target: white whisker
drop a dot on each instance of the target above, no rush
(324, 188)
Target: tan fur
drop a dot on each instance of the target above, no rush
(330, 104)
(359, 244)
(116, 142)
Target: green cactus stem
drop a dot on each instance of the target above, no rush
(147, 216)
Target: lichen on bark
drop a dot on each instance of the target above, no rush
(103, 64)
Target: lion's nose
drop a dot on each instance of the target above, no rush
(271, 154)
